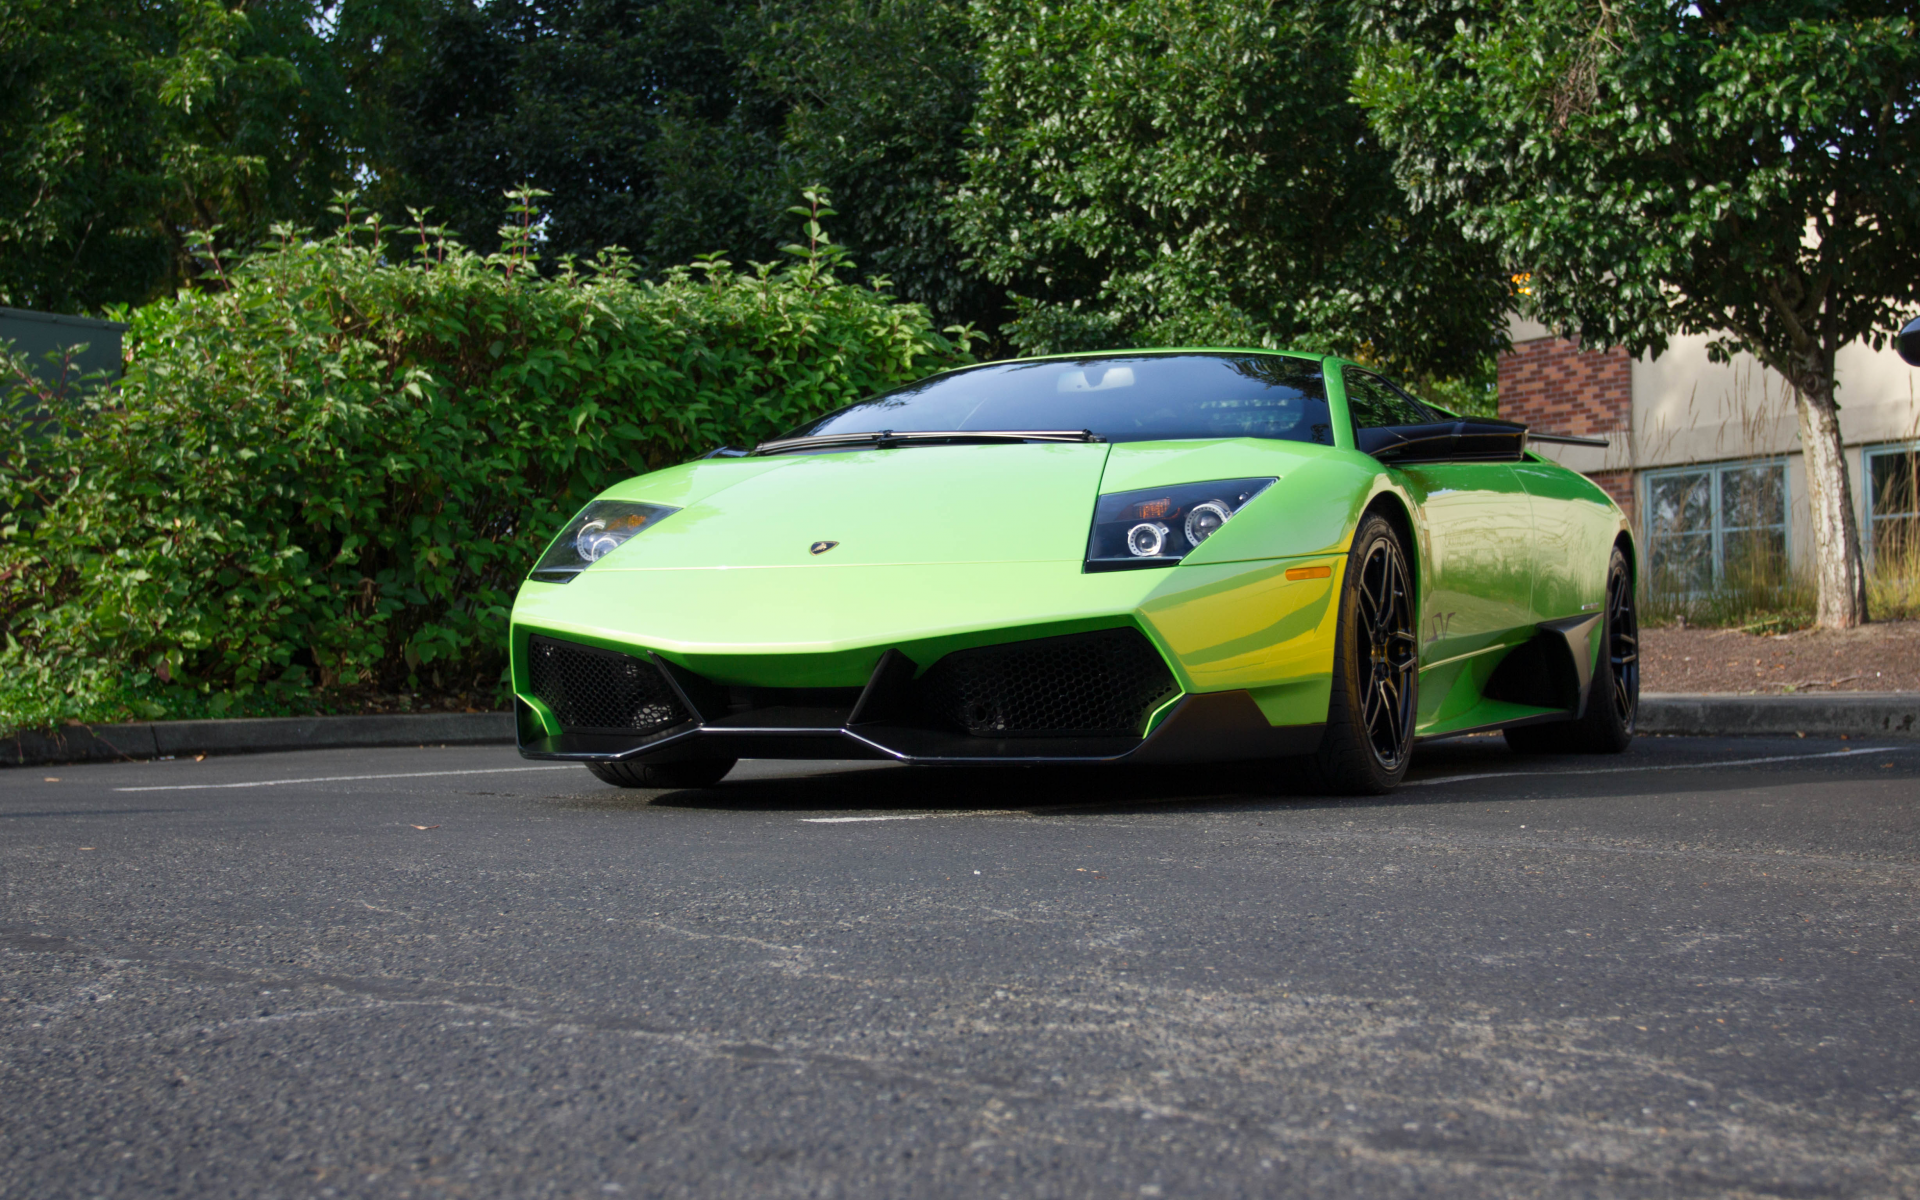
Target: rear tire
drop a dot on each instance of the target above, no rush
(694, 773)
(1613, 697)
(1376, 675)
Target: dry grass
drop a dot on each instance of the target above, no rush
(1759, 594)
(1772, 598)
(1893, 584)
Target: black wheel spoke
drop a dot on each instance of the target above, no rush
(1391, 710)
(1369, 603)
(1375, 601)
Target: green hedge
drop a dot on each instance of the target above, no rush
(327, 479)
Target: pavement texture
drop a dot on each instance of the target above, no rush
(1688, 970)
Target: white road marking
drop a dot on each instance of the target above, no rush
(963, 812)
(194, 787)
(1690, 766)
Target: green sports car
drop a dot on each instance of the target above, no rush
(1173, 556)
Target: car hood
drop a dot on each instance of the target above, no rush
(897, 507)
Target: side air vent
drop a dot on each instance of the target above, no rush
(1084, 684)
(601, 691)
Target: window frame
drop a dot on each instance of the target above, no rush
(1720, 530)
(1867, 496)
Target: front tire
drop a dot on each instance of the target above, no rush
(1613, 696)
(1376, 669)
(695, 773)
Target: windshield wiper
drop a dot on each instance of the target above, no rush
(888, 437)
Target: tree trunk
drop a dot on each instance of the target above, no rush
(1839, 572)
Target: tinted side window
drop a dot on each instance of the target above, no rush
(1373, 402)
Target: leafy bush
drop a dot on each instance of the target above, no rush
(327, 479)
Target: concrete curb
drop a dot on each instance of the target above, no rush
(120, 743)
(1882, 714)
(1856, 714)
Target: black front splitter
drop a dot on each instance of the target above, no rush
(1203, 727)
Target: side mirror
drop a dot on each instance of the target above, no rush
(1477, 440)
(1909, 342)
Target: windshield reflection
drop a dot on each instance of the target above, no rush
(1118, 397)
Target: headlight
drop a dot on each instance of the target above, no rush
(1160, 526)
(600, 529)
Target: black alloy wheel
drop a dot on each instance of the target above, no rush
(1376, 669)
(1623, 644)
(1613, 695)
(1386, 611)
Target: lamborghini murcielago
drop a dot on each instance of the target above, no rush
(1181, 556)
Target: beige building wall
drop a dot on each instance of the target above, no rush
(1686, 409)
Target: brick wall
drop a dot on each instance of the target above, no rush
(1619, 485)
(1555, 387)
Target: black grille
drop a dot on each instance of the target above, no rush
(1083, 684)
(591, 689)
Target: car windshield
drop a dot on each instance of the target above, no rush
(1121, 398)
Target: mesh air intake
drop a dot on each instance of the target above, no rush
(1103, 684)
(602, 691)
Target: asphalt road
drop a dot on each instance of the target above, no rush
(1686, 971)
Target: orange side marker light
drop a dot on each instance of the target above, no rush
(1309, 572)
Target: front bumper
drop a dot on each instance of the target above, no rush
(891, 718)
(789, 663)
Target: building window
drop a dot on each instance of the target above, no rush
(1712, 525)
(1893, 501)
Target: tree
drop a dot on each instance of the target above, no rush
(678, 128)
(630, 113)
(135, 136)
(141, 141)
(1195, 171)
(878, 97)
(1745, 170)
